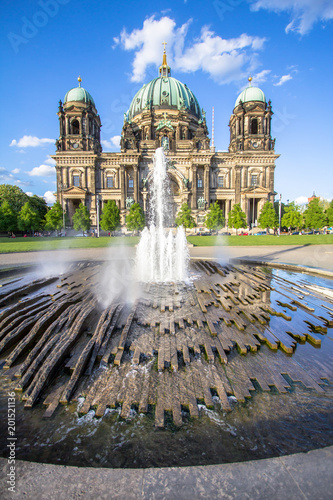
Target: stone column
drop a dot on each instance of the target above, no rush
(244, 179)
(136, 184)
(194, 187)
(206, 184)
(237, 184)
(227, 209)
(122, 186)
(84, 178)
(92, 180)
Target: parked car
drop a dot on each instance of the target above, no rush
(243, 234)
(296, 232)
(260, 233)
(225, 234)
(80, 235)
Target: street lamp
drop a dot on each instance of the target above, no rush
(254, 197)
(98, 198)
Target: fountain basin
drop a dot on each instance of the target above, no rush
(234, 366)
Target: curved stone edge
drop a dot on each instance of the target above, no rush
(278, 265)
(299, 476)
(289, 267)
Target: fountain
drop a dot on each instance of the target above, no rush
(161, 257)
(245, 348)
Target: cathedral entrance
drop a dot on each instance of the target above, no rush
(253, 212)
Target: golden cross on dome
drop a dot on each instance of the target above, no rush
(164, 43)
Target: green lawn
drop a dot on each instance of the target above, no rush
(235, 241)
(19, 244)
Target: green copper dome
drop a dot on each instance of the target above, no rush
(251, 94)
(164, 92)
(79, 94)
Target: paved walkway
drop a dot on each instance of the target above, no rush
(317, 256)
(300, 476)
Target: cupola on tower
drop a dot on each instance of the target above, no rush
(250, 123)
(79, 122)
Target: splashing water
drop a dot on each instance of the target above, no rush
(161, 256)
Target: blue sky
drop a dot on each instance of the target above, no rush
(286, 45)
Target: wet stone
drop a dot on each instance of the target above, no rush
(230, 330)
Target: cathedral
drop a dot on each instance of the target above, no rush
(165, 112)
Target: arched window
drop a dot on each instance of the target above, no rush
(254, 126)
(75, 127)
(109, 182)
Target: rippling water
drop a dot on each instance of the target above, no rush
(267, 425)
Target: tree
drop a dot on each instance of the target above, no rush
(215, 218)
(54, 218)
(314, 216)
(81, 218)
(110, 218)
(14, 195)
(329, 214)
(184, 217)
(8, 218)
(268, 218)
(292, 216)
(28, 219)
(135, 220)
(237, 217)
(38, 204)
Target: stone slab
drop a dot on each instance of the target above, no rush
(301, 476)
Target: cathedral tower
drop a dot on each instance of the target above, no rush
(250, 123)
(80, 125)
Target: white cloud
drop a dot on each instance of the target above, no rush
(29, 193)
(223, 59)
(148, 41)
(304, 13)
(114, 142)
(301, 200)
(49, 197)
(16, 171)
(6, 176)
(50, 161)
(42, 170)
(31, 141)
(261, 77)
(283, 80)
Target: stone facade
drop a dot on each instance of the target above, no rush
(198, 174)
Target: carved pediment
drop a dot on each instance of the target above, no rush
(75, 191)
(256, 190)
